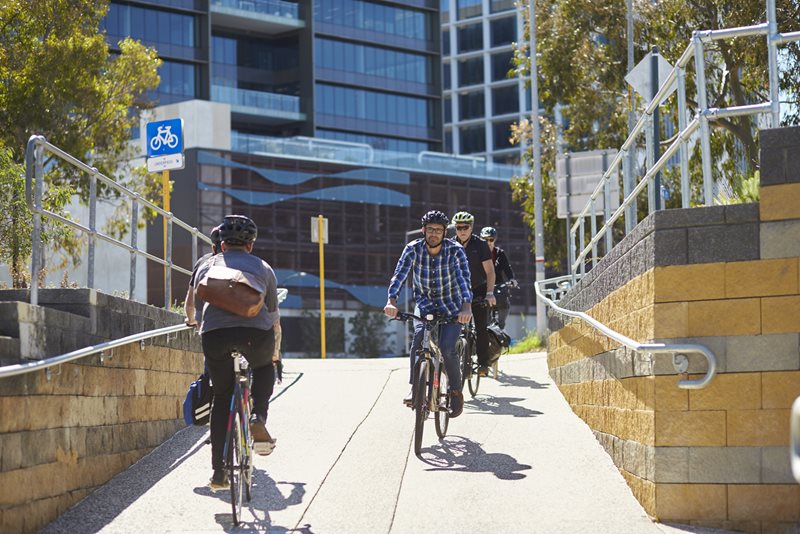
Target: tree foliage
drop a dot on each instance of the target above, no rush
(59, 79)
(368, 328)
(582, 62)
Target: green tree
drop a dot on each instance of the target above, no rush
(59, 79)
(582, 61)
(369, 333)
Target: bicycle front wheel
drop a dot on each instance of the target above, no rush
(420, 404)
(443, 408)
(235, 468)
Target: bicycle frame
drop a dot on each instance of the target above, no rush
(238, 441)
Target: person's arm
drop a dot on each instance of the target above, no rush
(188, 307)
(488, 267)
(398, 279)
(505, 266)
(461, 272)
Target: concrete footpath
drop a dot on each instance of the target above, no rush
(517, 461)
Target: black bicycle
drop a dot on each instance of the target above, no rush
(430, 388)
(238, 452)
(467, 350)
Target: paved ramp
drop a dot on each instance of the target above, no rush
(517, 460)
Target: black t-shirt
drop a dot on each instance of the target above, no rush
(477, 251)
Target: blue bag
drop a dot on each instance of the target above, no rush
(197, 404)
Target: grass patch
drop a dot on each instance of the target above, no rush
(530, 343)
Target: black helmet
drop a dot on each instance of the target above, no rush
(435, 217)
(488, 231)
(238, 230)
(215, 240)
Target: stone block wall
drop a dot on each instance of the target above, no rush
(64, 436)
(727, 277)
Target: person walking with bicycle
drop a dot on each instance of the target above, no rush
(504, 275)
(224, 332)
(481, 268)
(440, 276)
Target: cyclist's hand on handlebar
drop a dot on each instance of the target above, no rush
(513, 283)
(390, 310)
(491, 300)
(464, 316)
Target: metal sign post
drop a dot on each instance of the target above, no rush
(165, 153)
(319, 234)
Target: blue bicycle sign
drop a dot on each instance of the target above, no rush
(164, 137)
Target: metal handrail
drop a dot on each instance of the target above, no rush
(795, 439)
(34, 186)
(678, 351)
(704, 114)
(22, 368)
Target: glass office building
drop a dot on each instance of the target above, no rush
(480, 101)
(334, 108)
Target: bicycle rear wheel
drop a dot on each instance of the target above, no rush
(443, 410)
(235, 467)
(420, 404)
(247, 445)
(463, 360)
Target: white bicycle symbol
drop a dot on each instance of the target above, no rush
(164, 137)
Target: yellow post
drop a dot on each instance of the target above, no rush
(321, 285)
(165, 194)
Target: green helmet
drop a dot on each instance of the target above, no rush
(463, 217)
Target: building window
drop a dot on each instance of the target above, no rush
(468, 9)
(503, 31)
(473, 139)
(505, 100)
(376, 141)
(372, 61)
(151, 26)
(501, 64)
(470, 71)
(501, 134)
(448, 109)
(497, 6)
(470, 38)
(380, 18)
(374, 106)
(471, 105)
(446, 42)
(446, 76)
(445, 10)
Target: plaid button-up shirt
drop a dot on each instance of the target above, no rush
(441, 283)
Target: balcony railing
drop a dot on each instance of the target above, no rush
(256, 99)
(277, 8)
(362, 154)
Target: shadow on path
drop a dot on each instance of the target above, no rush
(267, 497)
(108, 501)
(506, 379)
(457, 453)
(488, 404)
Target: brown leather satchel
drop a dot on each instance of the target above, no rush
(231, 290)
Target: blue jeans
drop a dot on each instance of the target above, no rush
(448, 335)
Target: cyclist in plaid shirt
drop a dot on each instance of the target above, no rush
(441, 281)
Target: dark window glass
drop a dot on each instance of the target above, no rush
(150, 25)
(446, 43)
(501, 64)
(503, 31)
(445, 10)
(470, 38)
(446, 76)
(473, 139)
(448, 109)
(373, 61)
(376, 141)
(363, 15)
(501, 5)
(448, 141)
(470, 71)
(346, 103)
(501, 134)
(468, 9)
(505, 100)
(471, 105)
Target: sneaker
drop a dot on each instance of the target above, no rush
(456, 403)
(483, 370)
(219, 480)
(408, 400)
(264, 443)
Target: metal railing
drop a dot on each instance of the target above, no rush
(34, 189)
(277, 8)
(46, 364)
(679, 359)
(261, 100)
(695, 50)
(795, 439)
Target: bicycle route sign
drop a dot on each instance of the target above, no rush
(165, 145)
